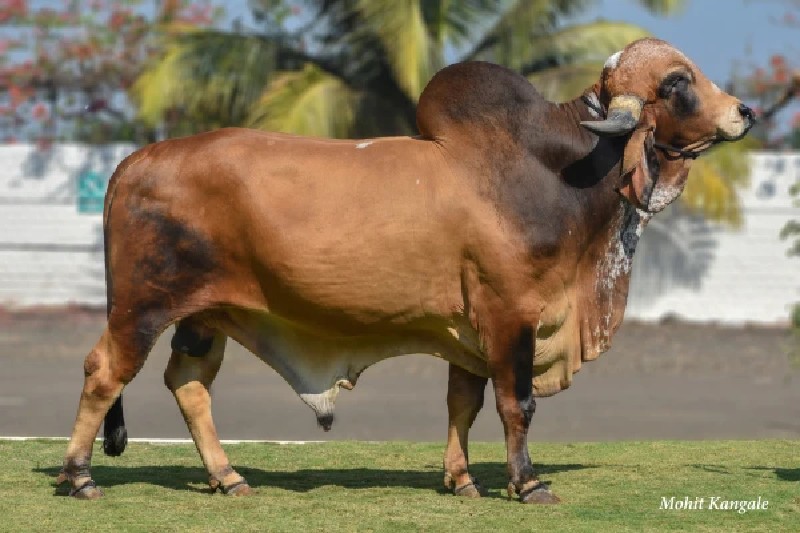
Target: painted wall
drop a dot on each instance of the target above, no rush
(52, 254)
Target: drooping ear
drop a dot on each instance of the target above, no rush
(640, 165)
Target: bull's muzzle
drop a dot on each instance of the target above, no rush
(736, 122)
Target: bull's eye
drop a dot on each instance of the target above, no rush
(677, 82)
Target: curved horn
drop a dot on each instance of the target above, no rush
(623, 116)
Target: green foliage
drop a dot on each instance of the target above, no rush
(306, 102)
(397, 486)
(792, 228)
(711, 187)
(209, 79)
(382, 52)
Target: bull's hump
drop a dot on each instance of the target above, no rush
(472, 96)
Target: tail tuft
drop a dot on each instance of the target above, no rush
(114, 443)
(115, 436)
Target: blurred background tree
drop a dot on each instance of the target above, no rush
(65, 67)
(355, 68)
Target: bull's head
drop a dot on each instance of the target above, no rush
(672, 113)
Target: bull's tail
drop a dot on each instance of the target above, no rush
(115, 436)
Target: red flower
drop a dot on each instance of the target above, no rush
(796, 120)
(40, 111)
(777, 61)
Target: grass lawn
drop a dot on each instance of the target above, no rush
(396, 486)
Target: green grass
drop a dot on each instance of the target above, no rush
(353, 486)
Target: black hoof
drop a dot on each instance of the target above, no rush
(114, 443)
(540, 494)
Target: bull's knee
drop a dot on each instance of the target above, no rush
(99, 381)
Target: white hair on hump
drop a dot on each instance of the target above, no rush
(612, 61)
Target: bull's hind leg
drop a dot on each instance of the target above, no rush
(464, 401)
(197, 354)
(113, 362)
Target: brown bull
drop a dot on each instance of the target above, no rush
(500, 239)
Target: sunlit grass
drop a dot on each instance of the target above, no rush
(354, 486)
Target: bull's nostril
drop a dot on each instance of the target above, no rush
(746, 112)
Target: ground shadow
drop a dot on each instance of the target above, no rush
(491, 475)
(784, 474)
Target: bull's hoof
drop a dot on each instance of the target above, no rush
(240, 488)
(540, 494)
(469, 490)
(87, 491)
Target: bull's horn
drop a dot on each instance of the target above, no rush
(623, 116)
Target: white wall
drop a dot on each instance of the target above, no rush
(691, 269)
(49, 253)
(52, 255)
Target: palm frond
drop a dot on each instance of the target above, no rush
(509, 37)
(663, 7)
(306, 102)
(213, 77)
(453, 21)
(712, 183)
(594, 41)
(559, 84)
(410, 48)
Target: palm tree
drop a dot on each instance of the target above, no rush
(356, 68)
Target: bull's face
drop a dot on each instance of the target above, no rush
(672, 112)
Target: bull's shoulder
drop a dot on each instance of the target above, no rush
(475, 94)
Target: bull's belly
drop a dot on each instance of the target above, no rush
(316, 365)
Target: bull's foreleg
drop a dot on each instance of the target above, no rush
(196, 358)
(511, 367)
(464, 401)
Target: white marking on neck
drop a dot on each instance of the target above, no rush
(662, 196)
(363, 145)
(616, 264)
(613, 60)
(595, 105)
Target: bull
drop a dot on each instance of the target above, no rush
(500, 239)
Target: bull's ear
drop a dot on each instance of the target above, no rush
(640, 167)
